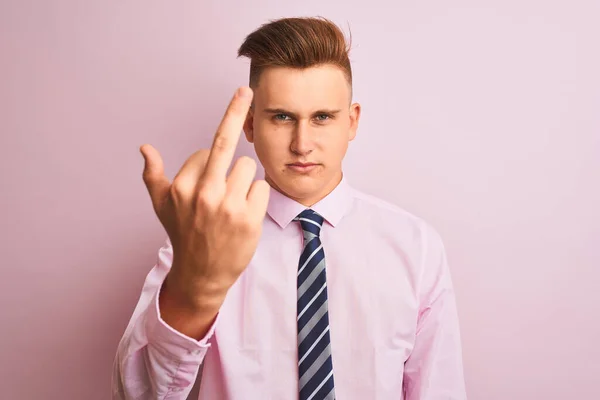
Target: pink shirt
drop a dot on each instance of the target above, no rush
(393, 319)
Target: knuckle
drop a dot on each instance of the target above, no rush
(206, 191)
(234, 109)
(177, 189)
(147, 178)
(247, 162)
(244, 167)
(248, 225)
(232, 212)
(200, 156)
(221, 143)
(203, 153)
(206, 199)
(148, 175)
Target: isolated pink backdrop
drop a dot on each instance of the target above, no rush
(482, 117)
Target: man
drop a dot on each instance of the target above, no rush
(298, 286)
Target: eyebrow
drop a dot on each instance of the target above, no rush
(282, 111)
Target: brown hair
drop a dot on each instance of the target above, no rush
(296, 43)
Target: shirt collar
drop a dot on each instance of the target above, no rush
(332, 207)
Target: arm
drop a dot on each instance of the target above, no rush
(154, 360)
(434, 370)
(214, 222)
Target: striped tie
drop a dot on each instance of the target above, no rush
(315, 366)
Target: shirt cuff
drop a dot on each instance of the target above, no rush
(172, 341)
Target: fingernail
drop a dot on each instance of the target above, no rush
(244, 92)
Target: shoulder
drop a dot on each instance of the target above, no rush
(410, 237)
(384, 210)
(386, 217)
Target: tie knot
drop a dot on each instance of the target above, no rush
(310, 221)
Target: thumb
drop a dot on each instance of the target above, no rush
(154, 175)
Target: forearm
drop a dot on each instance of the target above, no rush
(154, 358)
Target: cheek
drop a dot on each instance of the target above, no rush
(336, 142)
(271, 143)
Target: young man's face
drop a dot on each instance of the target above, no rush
(302, 116)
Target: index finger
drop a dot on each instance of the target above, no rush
(228, 135)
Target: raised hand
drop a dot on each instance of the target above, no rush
(214, 221)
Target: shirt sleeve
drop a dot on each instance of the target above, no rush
(434, 369)
(153, 360)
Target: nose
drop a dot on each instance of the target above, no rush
(302, 143)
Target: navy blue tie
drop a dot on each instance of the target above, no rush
(315, 366)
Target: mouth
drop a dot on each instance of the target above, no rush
(302, 167)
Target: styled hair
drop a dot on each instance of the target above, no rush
(296, 43)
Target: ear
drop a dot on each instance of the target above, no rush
(249, 125)
(354, 118)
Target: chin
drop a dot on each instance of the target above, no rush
(298, 186)
(301, 185)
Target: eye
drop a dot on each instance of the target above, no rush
(323, 117)
(280, 117)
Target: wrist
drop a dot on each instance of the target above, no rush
(192, 297)
(191, 316)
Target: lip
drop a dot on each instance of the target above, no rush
(302, 167)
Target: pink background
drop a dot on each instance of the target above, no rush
(483, 119)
